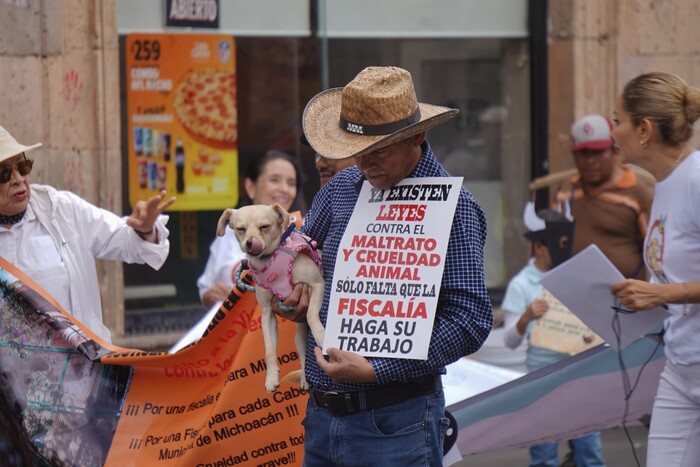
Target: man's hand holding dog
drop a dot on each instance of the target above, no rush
(299, 299)
(346, 367)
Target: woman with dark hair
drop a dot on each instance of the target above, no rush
(273, 178)
(269, 180)
(654, 119)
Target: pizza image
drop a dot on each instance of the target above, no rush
(205, 104)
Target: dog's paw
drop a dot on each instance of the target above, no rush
(304, 384)
(272, 382)
(319, 336)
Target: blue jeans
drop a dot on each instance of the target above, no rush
(410, 434)
(587, 452)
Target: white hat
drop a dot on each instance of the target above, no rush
(9, 147)
(591, 132)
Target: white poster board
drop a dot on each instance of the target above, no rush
(561, 330)
(389, 268)
(583, 284)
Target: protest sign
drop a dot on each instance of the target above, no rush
(389, 269)
(560, 330)
(582, 284)
(75, 399)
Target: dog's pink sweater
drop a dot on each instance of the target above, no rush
(276, 276)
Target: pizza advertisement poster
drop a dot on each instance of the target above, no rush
(389, 269)
(182, 120)
(561, 330)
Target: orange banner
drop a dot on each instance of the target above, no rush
(182, 119)
(84, 401)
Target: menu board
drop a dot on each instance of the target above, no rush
(182, 119)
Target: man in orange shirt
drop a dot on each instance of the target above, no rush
(609, 201)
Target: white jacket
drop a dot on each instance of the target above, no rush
(83, 232)
(224, 257)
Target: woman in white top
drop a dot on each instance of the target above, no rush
(273, 178)
(55, 236)
(654, 119)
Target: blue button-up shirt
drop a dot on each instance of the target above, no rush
(464, 315)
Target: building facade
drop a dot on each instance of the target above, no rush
(62, 82)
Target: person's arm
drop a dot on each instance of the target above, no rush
(640, 295)
(108, 236)
(534, 311)
(216, 281)
(512, 337)
(218, 293)
(514, 304)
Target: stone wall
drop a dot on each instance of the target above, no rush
(596, 46)
(59, 85)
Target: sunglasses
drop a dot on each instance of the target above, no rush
(24, 167)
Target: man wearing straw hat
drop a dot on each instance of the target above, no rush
(387, 411)
(54, 236)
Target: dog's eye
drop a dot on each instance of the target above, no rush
(265, 227)
(240, 229)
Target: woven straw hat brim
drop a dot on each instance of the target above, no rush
(321, 125)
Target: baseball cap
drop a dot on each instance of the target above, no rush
(591, 132)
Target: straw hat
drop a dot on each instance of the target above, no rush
(377, 108)
(9, 147)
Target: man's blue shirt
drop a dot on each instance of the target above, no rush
(464, 315)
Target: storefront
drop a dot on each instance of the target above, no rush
(472, 55)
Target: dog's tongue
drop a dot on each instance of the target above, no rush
(256, 246)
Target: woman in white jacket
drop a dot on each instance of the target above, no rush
(55, 236)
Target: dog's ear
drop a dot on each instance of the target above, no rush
(223, 221)
(282, 215)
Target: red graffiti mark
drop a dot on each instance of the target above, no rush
(72, 87)
(109, 204)
(74, 175)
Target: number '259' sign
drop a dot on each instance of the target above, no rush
(192, 13)
(182, 119)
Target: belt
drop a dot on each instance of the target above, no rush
(344, 403)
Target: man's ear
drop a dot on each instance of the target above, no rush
(419, 138)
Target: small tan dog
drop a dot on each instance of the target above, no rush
(266, 237)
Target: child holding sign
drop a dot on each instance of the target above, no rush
(551, 234)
